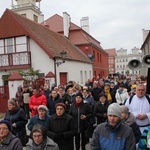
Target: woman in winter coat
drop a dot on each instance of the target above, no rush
(100, 109)
(81, 113)
(129, 119)
(121, 94)
(16, 116)
(36, 100)
(52, 101)
(61, 128)
(8, 141)
(40, 141)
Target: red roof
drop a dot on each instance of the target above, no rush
(76, 35)
(15, 76)
(13, 24)
(111, 52)
(50, 75)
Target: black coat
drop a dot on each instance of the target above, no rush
(99, 111)
(76, 113)
(19, 118)
(51, 104)
(65, 125)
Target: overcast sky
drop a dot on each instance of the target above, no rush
(114, 23)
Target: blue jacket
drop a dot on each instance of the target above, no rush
(119, 138)
(36, 120)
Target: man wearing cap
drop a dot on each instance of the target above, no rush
(113, 135)
(61, 128)
(8, 141)
(41, 118)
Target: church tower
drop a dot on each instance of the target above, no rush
(29, 9)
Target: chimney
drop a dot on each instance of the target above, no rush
(85, 24)
(66, 23)
(145, 33)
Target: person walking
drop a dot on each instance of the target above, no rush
(61, 128)
(113, 135)
(16, 116)
(8, 141)
(37, 99)
(139, 105)
(39, 140)
(81, 113)
(41, 118)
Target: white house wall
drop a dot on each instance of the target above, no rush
(40, 60)
(74, 69)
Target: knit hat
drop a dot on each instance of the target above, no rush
(124, 109)
(61, 104)
(102, 94)
(43, 107)
(79, 94)
(114, 109)
(7, 123)
(12, 101)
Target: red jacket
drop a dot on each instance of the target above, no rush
(36, 101)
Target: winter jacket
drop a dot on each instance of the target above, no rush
(63, 125)
(36, 120)
(143, 140)
(51, 104)
(76, 113)
(36, 101)
(90, 100)
(50, 145)
(121, 97)
(130, 121)
(19, 118)
(11, 143)
(95, 93)
(107, 138)
(100, 111)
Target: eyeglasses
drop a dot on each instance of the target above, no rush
(3, 129)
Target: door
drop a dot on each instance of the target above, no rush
(63, 78)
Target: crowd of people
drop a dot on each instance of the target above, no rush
(109, 113)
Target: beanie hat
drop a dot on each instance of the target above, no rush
(43, 107)
(102, 94)
(79, 94)
(114, 109)
(124, 109)
(61, 104)
(7, 123)
(12, 101)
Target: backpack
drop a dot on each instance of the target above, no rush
(147, 97)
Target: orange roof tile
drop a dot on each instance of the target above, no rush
(51, 42)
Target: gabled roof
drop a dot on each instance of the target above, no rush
(15, 76)
(111, 52)
(51, 42)
(55, 23)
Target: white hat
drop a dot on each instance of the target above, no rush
(43, 107)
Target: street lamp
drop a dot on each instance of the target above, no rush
(63, 55)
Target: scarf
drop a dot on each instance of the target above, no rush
(109, 98)
(40, 146)
(78, 104)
